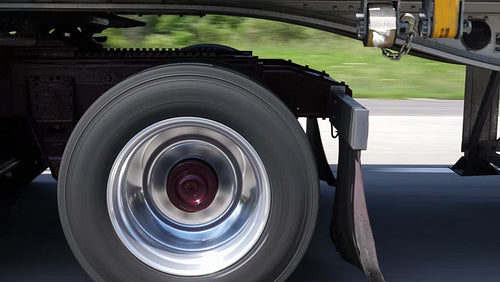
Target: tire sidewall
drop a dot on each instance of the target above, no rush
(199, 91)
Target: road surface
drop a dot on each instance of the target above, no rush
(429, 224)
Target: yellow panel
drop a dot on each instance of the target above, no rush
(446, 18)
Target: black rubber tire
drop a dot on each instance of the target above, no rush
(188, 90)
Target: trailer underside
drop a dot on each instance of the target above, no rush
(58, 79)
(334, 16)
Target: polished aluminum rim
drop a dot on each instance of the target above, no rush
(170, 239)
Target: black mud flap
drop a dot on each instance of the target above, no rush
(350, 228)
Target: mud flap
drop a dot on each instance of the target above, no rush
(350, 227)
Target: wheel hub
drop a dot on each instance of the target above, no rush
(203, 216)
(192, 185)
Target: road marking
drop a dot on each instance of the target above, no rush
(47, 171)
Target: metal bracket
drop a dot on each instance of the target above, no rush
(350, 228)
(351, 119)
(314, 136)
(480, 124)
(378, 22)
(51, 101)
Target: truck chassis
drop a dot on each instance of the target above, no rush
(157, 151)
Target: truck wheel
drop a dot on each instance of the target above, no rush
(188, 172)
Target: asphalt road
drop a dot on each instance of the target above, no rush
(429, 225)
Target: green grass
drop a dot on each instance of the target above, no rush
(365, 70)
(372, 76)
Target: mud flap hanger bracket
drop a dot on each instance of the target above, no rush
(349, 117)
(350, 227)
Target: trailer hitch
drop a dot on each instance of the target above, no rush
(350, 227)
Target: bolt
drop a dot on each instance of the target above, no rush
(108, 78)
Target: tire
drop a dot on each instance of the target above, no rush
(230, 130)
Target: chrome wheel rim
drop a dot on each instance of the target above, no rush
(205, 228)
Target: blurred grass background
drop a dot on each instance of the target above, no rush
(364, 69)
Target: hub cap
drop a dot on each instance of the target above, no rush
(192, 185)
(188, 196)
